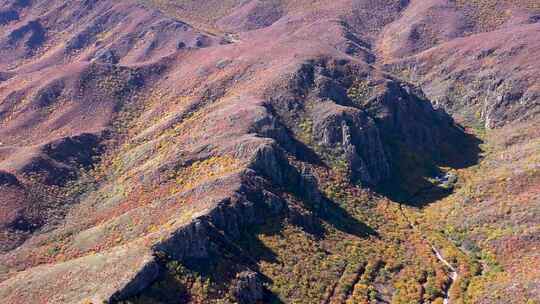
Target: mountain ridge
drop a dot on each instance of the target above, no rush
(149, 160)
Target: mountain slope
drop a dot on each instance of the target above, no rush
(270, 151)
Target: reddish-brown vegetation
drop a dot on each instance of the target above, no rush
(218, 151)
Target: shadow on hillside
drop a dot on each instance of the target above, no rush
(192, 279)
(307, 209)
(311, 209)
(330, 213)
(417, 179)
(464, 152)
(229, 257)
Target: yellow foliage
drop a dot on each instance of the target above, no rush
(202, 171)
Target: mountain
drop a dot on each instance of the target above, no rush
(279, 151)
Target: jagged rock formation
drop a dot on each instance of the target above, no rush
(247, 288)
(132, 140)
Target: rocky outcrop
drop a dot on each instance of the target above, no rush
(270, 162)
(348, 134)
(247, 288)
(355, 118)
(403, 114)
(269, 173)
(205, 143)
(189, 242)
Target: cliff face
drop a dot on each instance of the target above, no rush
(143, 158)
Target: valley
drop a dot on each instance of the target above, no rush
(281, 151)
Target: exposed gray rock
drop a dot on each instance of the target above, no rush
(190, 241)
(148, 274)
(269, 162)
(359, 133)
(247, 288)
(402, 113)
(347, 134)
(275, 203)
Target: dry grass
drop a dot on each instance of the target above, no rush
(489, 14)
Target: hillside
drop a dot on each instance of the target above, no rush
(283, 151)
